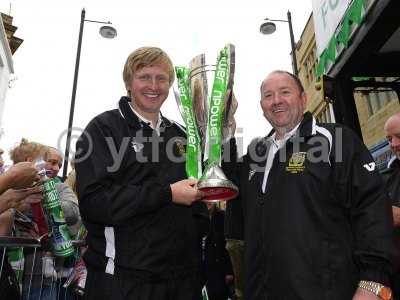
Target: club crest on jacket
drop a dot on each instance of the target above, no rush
(296, 162)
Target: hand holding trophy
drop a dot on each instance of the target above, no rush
(209, 120)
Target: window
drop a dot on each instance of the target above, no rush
(326, 114)
(377, 98)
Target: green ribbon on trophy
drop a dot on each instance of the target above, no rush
(217, 105)
(193, 146)
(206, 118)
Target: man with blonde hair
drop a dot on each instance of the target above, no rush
(134, 199)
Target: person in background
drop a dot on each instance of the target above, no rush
(71, 178)
(15, 187)
(392, 178)
(235, 244)
(69, 201)
(69, 205)
(42, 262)
(45, 263)
(217, 267)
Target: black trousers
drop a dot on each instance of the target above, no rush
(103, 286)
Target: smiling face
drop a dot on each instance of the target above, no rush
(149, 88)
(282, 102)
(53, 162)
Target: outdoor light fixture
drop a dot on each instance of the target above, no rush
(107, 32)
(269, 27)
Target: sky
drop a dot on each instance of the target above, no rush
(38, 102)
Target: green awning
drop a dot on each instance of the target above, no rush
(354, 16)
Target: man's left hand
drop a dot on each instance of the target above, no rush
(362, 294)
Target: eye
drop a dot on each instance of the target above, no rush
(285, 92)
(144, 77)
(267, 96)
(162, 79)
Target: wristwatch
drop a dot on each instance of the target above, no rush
(383, 292)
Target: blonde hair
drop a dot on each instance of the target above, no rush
(145, 57)
(27, 150)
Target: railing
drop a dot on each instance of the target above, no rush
(57, 287)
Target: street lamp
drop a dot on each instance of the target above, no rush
(269, 27)
(105, 31)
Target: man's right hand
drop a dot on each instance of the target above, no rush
(22, 175)
(185, 192)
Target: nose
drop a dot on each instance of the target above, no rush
(276, 99)
(154, 83)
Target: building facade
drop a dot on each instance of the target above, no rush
(8, 45)
(374, 101)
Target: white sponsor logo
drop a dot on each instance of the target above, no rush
(251, 174)
(370, 167)
(137, 146)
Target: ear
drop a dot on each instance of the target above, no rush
(304, 100)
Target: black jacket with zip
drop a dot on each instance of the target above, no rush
(323, 223)
(133, 226)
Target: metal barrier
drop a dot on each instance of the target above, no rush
(50, 288)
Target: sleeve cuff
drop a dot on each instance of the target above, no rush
(166, 194)
(376, 276)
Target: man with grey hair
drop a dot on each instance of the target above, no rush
(316, 223)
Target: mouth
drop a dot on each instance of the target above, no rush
(151, 95)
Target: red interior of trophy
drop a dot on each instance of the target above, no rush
(215, 194)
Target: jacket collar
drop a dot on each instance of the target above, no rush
(132, 119)
(307, 126)
(393, 163)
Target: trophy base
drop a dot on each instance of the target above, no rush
(216, 190)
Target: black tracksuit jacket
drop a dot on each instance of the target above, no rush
(321, 225)
(133, 226)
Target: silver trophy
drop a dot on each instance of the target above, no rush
(202, 77)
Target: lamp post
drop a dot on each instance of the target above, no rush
(269, 27)
(106, 31)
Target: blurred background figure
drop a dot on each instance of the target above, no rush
(43, 262)
(392, 178)
(71, 178)
(217, 273)
(14, 190)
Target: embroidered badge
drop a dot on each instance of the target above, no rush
(296, 163)
(181, 148)
(137, 146)
(251, 174)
